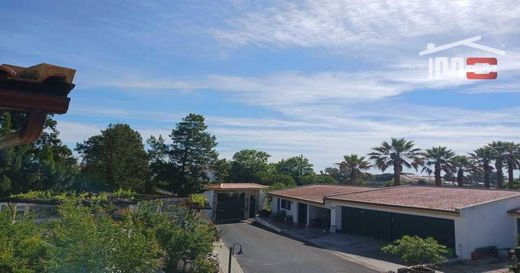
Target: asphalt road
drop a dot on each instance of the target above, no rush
(268, 252)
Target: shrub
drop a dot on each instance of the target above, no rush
(198, 201)
(22, 246)
(415, 250)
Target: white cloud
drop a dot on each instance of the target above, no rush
(332, 23)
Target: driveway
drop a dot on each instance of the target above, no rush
(268, 252)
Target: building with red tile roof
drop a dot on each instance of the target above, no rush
(463, 219)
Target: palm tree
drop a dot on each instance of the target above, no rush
(499, 149)
(461, 164)
(398, 153)
(355, 166)
(512, 159)
(482, 157)
(440, 158)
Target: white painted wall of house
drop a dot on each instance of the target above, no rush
(484, 225)
(261, 199)
(274, 205)
(209, 195)
(293, 211)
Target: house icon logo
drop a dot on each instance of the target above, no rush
(471, 68)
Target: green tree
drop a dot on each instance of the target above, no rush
(398, 153)
(461, 164)
(498, 149)
(42, 165)
(355, 166)
(249, 165)
(221, 169)
(440, 159)
(115, 158)
(183, 165)
(270, 178)
(512, 159)
(296, 167)
(318, 179)
(340, 175)
(482, 158)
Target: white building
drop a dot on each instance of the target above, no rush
(460, 218)
(234, 201)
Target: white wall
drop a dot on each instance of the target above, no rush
(274, 205)
(209, 195)
(484, 225)
(293, 211)
(261, 199)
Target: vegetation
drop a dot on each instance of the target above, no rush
(90, 239)
(297, 167)
(398, 153)
(482, 158)
(440, 159)
(181, 166)
(249, 165)
(461, 165)
(115, 159)
(417, 251)
(46, 164)
(354, 166)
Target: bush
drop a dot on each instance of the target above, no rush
(417, 251)
(87, 238)
(23, 248)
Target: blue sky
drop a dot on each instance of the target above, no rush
(319, 78)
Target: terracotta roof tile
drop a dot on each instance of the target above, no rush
(444, 199)
(316, 193)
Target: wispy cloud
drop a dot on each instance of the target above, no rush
(348, 23)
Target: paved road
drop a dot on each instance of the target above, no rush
(268, 252)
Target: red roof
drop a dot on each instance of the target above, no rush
(235, 186)
(316, 193)
(420, 197)
(434, 198)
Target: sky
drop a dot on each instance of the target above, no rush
(319, 78)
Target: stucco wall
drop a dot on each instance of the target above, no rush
(293, 211)
(210, 195)
(484, 225)
(274, 205)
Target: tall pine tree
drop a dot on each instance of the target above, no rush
(183, 165)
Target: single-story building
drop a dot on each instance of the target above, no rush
(234, 201)
(462, 219)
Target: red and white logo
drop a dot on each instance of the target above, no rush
(471, 68)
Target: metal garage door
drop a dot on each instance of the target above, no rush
(371, 223)
(230, 207)
(391, 226)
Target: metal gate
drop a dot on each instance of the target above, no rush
(230, 207)
(391, 226)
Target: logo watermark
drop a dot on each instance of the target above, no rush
(471, 68)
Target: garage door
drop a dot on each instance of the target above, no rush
(371, 223)
(391, 226)
(230, 207)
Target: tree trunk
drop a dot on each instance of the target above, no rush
(438, 178)
(500, 174)
(397, 174)
(353, 177)
(510, 173)
(460, 178)
(486, 175)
